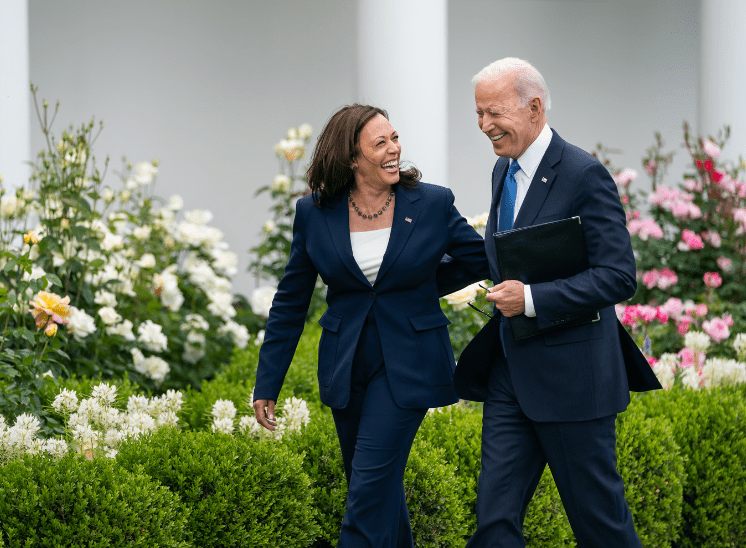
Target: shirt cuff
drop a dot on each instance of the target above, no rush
(529, 302)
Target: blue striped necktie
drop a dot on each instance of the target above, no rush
(507, 201)
(507, 210)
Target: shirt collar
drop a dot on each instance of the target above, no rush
(531, 158)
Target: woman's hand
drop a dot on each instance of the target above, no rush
(264, 410)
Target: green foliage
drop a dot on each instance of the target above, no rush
(709, 428)
(237, 492)
(82, 503)
(652, 467)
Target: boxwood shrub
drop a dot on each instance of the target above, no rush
(436, 511)
(78, 502)
(709, 427)
(237, 492)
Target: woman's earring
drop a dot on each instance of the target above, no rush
(354, 168)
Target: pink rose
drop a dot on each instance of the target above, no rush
(717, 329)
(667, 278)
(650, 279)
(713, 238)
(692, 185)
(673, 307)
(724, 264)
(631, 313)
(701, 310)
(739, 215)
(661, 314)
(712, 280)
(650, 167)
(687, 357)
(651, 360)
(711, 149)
(692, 240)
(684, 324)
(728, 184)
(648, 313)
(741, 189)
(680, 209)
(625, 177)
(728, 319)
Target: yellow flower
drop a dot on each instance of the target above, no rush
(30, 237)
(51, 329)
(48, 306)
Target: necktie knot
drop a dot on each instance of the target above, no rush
(513, 169)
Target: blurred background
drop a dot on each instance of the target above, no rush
(209, 87)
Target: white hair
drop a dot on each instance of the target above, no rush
(528, 81)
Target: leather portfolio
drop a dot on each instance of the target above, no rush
(538, 254)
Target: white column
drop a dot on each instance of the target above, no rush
(15, 145)
(723, 72)
(402, 68)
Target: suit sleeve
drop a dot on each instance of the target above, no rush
(465, 261)
(611, 277)
(286, 316)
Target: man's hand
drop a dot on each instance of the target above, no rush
(265, 414)
(508, 298)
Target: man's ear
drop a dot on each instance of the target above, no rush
(536, 108)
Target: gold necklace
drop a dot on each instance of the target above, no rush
(374, 215)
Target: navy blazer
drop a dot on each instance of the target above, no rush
(583, 372)
(404, 298)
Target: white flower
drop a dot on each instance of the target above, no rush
(168, 284)
(151, 336)
(269, 226)
(305, 131)
(36, 273)
(65, 402)
(109, 316)
(199, 217)
(723, 372)
(104, 298)
(238, 333)
(261, 300)
(108, 195)
(105, 393)
(281, 183)
(146, 261)
(152, 367)
(697, 340)
(142, 232)
(131, 184)
(691, 378)
(175, 203)
(137, 404)
(259, 337)
(112, 242)
(222, 409)
(221, 305)
(248, 425)
(665, 373)
(224, 426)
(8, 205)
(295, 414)
(123, 329)
(225, 261)
(56, 448)
(460, 299)
(740, 345)
(711, 149)
(144, 173)
(81, 324)
(167, 418)
(194, 321)
(111, 454)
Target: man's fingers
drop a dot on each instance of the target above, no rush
(261, 416)
(271, 410)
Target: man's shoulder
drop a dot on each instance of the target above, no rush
(574, 157)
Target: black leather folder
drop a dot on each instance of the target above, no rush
(542, 253)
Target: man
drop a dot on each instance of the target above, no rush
(552, 398)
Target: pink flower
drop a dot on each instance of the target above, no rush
(684, 324)
(692, 185)
(741, 189)
(692, 240)
(648, 313)
(688, 357)
(729, 184)
(713, 238)
(649, 229)
(724, 264)
(661, 314)
(619, 309)
(717, 329)
(728, 319)
(625, 177)
(739, 215)
(650, 279)
(651, 360)
(650, 167)
(701, 310)
(712, 279)
(625, 199)
(667, 278)
(673, 307)
(680, 209)
(631, 313)
(711, 149)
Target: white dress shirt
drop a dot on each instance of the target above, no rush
(529, 162)
(368, 249)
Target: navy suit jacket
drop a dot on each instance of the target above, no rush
(577, 373)
(404, 299)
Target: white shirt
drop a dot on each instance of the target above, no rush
(368, 249)
(529, 162)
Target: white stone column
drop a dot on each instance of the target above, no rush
(402, 68)
(15, 145)
(722, 89)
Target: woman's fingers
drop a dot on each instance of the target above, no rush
(264, 410)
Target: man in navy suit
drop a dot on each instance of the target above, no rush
(553, 398)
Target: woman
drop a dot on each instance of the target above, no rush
(376, 236)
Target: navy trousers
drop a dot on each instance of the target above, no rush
(375, 436)
(581, 456)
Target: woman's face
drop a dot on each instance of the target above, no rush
(379, 153)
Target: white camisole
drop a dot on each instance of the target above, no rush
(368, 249)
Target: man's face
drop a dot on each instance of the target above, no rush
(510, 127)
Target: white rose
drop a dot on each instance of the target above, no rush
(305, 131)
(130, 184)
(108, 195)
(292, 133)
(81, 324)
(142, 232)
(199, 216)
(269, 226)
(175, 203)
(151, 336)
(104, 298)
(8, 205)
(109, 316)
(261, 300)
(144, 173)
(281, 183)
(146, 261)
(123, 329)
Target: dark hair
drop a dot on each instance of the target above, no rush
(331, 165)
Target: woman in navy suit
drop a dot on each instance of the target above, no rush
(375, 235)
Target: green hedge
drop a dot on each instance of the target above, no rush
(82, 503)
(709, 427)
(236, 492)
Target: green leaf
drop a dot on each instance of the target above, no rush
(97, 263)
(53, 279)
(10, 265)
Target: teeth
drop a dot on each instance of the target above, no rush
(497, 137)
(390, 164)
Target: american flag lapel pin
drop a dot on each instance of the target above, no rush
(543, 179)
(408, 219)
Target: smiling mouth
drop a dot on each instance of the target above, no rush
(391, 167)
(497, 137)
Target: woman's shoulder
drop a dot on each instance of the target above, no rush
(426, 191)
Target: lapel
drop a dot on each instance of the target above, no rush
(539, 188)
(498, 179)
(401, 228)
(338, 220)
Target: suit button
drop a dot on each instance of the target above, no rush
(372, 295)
